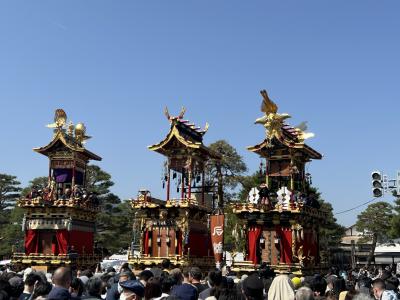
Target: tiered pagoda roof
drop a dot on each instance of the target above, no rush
(289, 137)
(62, 139)
(184, 135)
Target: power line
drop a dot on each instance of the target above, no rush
(358, 206)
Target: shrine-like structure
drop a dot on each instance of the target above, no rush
(177, 228)
(281, 219)
(59, 219)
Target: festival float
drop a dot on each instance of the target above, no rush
(59, 220)
(281, 218)
(177, 228)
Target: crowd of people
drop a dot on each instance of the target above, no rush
(164, 282)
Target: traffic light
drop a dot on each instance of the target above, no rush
(377, 187)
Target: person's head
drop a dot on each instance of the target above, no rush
(94, 287)
(330, 295)
(195, 275)
(132, 290)
(111, 270)
(41, 290)
(4, 295)
(177, 275)
(318, 285)
(77, 287)
(364, 284)
(281, 288)
(378, 286)
(351, 294)
(30, 280)
(166, 264)
(185, 274)
(253, 287)
(304, 293)
(4, 289)
(392, 283)
(167, 283)
(125, 267)
(144, 276)
(16, 285)
(215, 278)
(62, 277)
(88, 273)
(339, 285)
(126, 275)
(153, 288)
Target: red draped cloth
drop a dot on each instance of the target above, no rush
(179, 242)
(198, 244)
(61, 241)
(82, 241)
(31, 241)
(54, 248)
(286, 256)
(285, 235)
(146, 242)
(253, 237)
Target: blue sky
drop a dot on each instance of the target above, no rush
(115, 64)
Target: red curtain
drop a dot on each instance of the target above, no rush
(54, 248)
(286, 242)
(285, 235)
(61, 241)
(146, 242)
(253, 237)
(82, 241)
(31, 241)
(198, 244)
(179, 241)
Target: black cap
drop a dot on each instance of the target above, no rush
(253, 286)
(133, 285)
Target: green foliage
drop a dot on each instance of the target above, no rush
(9, 190)
(232, 221)
(114, 229)
(248, 182)
(11, 234)
(375, 223)
(97, 180)
(375, 220)
(225, 173)
(39, 182)
(330, 231)
(394, 231)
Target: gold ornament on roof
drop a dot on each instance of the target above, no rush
(301, 129)
(80, 133)
(70, 129)
(180, 116)
(60, 119)
(272, 121)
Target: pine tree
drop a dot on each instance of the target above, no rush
(375, 223)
